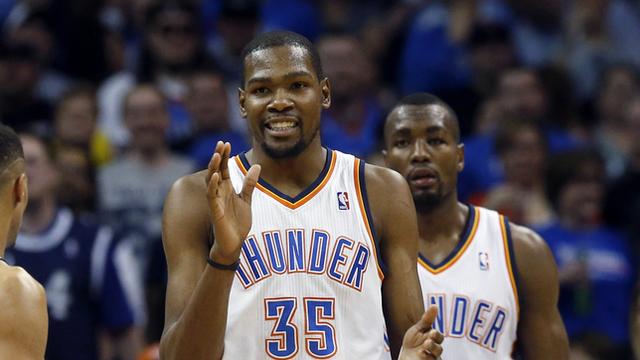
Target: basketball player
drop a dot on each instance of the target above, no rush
(23, 305)
(296, 267)
(493, 281)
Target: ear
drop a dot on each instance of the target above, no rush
(21, 192)
(241, 99)
(325, 88)
(460, 153)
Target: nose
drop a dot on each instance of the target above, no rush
(280, 102)
(420, 152)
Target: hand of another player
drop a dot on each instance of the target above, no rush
(230, 212)
(421, 341)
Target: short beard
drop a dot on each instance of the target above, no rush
(291, 152)
(426, 203)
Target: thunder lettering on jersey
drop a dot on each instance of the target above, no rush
(309, 281)
(475, 290)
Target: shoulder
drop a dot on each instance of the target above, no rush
(20, 294)
(380, 178)
(527, 243)
(190, 185)
(186, 202)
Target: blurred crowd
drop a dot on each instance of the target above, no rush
(116, 99)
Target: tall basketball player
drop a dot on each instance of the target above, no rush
(493, 281)
(23, 305)
(296, 268)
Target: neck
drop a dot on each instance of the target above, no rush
(38, 215)
(443, 222)
(5, 223)
(290, 173)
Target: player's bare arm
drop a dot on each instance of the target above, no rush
(395, 222)
(198, 294)
(23, 315)
(541, 333)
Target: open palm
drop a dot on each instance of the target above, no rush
(230, 212)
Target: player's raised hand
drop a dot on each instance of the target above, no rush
(230, 212)
(421, 341)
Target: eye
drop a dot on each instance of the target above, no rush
(261, 90)
(298, 85)
(436, 141)
(400, 143)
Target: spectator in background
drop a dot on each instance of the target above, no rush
(132, 189)
(521, 96)
(595, 270)
(522, 149)
(623, 202)
(77, 178)
(490, 51)
(207, 104)
(83, 267)
(20, 71)
(237, 23)
(353, 122)
(618, 86)
(35, 31)
(171, 47)
(75, 125)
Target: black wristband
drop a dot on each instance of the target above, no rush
(232, 267)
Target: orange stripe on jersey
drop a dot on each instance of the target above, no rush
(356, 178)
(507, 256)
(467, 242)
(285, 202)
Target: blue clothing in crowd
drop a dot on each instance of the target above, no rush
(84, 271)
(601, 306)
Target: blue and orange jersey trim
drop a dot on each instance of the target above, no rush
(363, 202)
(510, 258)
(468, 233)
(306, 194)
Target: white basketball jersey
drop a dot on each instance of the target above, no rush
(475, 290)
(309, 284)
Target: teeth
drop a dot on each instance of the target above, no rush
(282, 125)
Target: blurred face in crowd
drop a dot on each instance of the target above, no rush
(75, 119)
(146, 118)
(207, 102)
(582, 197)
(619, 85)
(282, 99)
(521, 95)
(421, 143)
(41, 172)
(173, 37)
(74, 167)
(344, 62)
(20, 73)
(524, 157)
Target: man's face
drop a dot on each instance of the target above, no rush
(173, 37)
(282, 100)
(617, 89)
(583, 196)
(75, 120)
(524, 160)
(344, 62)
(207, 102)
(41, 172)
(421, 145)
(521, 96)
(146, 118)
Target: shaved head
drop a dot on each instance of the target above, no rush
(418, 106)
(10, 151)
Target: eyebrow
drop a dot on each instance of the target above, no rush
(290, 75)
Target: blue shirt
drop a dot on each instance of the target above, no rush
(82, 268)
(602, 306)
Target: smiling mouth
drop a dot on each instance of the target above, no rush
(281, 125)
